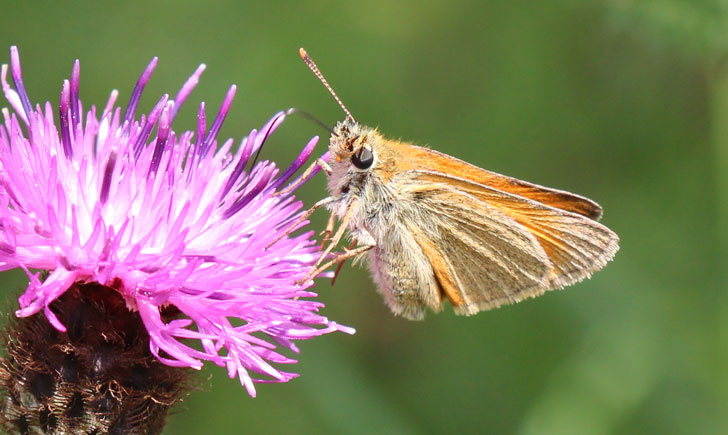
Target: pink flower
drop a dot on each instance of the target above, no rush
(166, 220)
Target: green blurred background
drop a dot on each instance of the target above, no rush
(624, 102)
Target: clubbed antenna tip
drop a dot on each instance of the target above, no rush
(312, 66)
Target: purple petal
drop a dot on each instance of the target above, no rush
(169, 224)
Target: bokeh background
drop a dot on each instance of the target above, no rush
(622, 101)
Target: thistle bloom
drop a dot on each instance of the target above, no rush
(166, 220)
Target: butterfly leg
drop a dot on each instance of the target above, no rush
(303, 217)
(338, 259)
(341, 264)
(326, 234)
(319, 163)
(316, 269)
(340, 231)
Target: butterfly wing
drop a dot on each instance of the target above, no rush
(480, 257)
(576, 246)
(418, 158)
(488, 248)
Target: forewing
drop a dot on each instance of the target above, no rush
(418, 158)
(576, 245)
(481, 258)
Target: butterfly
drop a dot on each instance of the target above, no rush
(435, 228)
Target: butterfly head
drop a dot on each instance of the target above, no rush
(353, 145)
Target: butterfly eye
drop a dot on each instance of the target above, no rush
(363, 158)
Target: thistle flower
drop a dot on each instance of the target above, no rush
(176, 227)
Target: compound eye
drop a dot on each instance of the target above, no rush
(363, 158)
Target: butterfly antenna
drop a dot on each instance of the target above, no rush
(312, 66)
